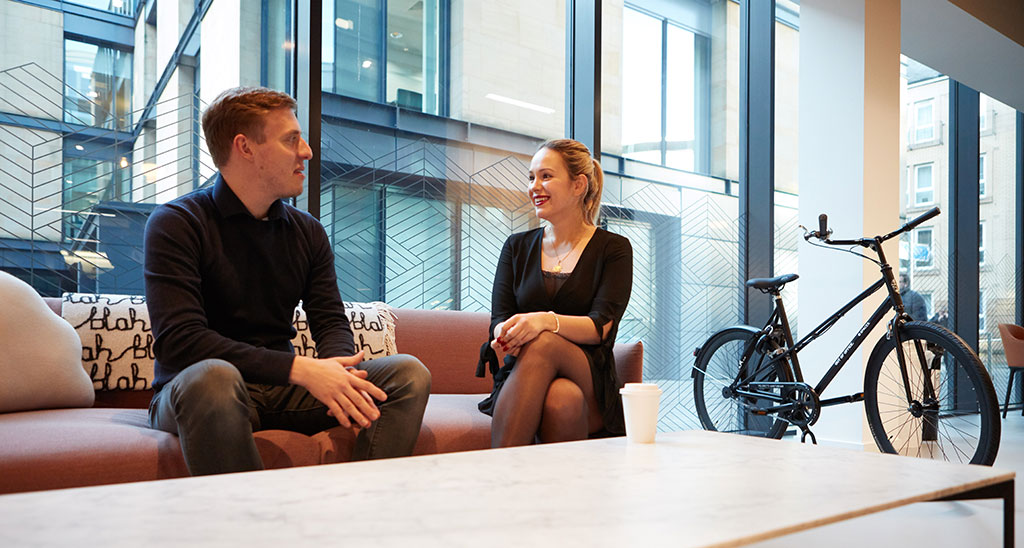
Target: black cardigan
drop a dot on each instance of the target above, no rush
(599, 287)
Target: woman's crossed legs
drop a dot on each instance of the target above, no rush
(548, 394)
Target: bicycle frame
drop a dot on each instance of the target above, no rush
(892, 302)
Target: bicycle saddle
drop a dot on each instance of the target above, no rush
(771, 283)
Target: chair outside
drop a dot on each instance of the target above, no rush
(1013, 345)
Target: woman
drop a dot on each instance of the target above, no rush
(559, 293)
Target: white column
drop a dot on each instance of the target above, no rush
(849, 169)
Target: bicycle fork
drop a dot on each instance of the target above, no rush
(928, 408)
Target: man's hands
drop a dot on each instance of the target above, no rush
(346, 392)
(511, 334)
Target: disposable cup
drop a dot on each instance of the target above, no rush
(640, 408)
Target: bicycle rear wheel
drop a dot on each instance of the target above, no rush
(957, 420)
(716, 368)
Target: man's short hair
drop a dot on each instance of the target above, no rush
(239, 111)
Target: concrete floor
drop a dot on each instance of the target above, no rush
(976, 524)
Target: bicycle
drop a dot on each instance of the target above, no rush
(926, 393)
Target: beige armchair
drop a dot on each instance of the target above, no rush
(1013, 345)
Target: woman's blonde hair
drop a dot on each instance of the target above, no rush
(579, 161)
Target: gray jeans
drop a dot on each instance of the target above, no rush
(214, 413)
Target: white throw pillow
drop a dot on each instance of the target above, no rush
(373, 330)
(116, 336)
(40, 365)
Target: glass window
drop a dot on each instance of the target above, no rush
(121, 7)
(413, 79)
(981, 243)
(924, 191)
(87, 182)
(279, 44)
(352, 52)
(682, 111)
(982, 112)
(786, 149)
(996, 241)
(927, 296)
(981, 311)
(669, 96)
(97, 85)
(982, 176)
(922, 252)
(924, 121)
(641, 86)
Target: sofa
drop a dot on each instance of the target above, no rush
(110, 442)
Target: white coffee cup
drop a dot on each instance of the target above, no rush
(640, 407)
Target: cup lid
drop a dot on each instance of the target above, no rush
(639, 387)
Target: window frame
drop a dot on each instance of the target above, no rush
(983, 175)
(918, 264)
(917, 189)
(918, 106)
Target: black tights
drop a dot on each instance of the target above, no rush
(549, 394)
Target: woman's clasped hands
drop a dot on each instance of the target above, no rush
(511, 334)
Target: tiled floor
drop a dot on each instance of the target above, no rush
(975, 524)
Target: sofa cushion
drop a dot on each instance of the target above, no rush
(452, 422)
(39, 365)
(63, 448)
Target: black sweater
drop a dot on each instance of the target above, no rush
(223, 284)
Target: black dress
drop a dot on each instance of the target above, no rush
(599, 287)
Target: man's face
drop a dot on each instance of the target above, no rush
(904, 282)
(280, 159)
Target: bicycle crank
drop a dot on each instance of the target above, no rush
(806, 406)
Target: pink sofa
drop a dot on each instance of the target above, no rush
(111, 442)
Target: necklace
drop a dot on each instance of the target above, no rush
(558, 267)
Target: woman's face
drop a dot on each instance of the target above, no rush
(554, 193)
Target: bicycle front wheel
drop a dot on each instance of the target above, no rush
(946, 409)
(716, 368)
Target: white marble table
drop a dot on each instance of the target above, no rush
(688, 489)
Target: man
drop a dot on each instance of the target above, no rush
(225, 267)
(913, 302)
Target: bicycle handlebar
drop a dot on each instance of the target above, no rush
(824, 232)
(910, 225)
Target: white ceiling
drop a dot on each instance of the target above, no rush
(951, 41)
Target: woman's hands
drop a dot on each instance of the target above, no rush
(511, 334)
